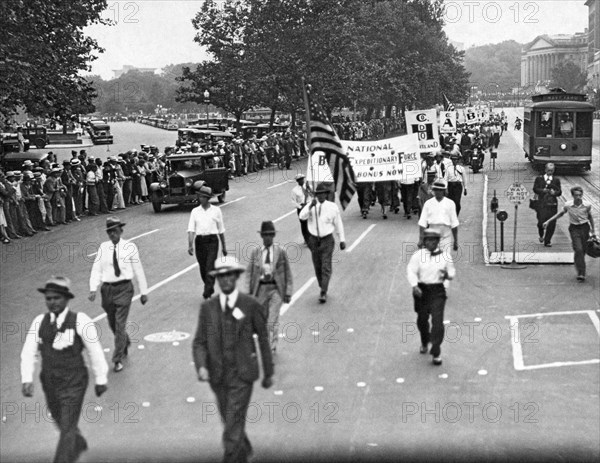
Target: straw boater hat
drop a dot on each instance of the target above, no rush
(113, 222)
(227, 265)
(267, 228)
(75, 162)
(439, 185)
(431, 233)
(60, 285)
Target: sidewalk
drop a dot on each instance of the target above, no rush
(511, 167)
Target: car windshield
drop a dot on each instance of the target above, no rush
(188, 164)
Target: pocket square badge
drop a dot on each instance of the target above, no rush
(64, 339)
(237, 314)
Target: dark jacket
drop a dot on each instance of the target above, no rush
(207, 346)
(547, 199)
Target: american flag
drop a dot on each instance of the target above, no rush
(324, 139)
(447, 105)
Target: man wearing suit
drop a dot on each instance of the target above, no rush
(269, 279)
(548, 189)
(225, 354)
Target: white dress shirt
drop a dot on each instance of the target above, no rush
(455, 174)
(329, 220)
(425, 267)
(439, 213)
(87, 331)
(229, 298)
(130, 265)
(206, 221)
(299, 196)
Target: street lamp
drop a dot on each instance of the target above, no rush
(206, 101)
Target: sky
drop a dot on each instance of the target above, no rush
(156, 33)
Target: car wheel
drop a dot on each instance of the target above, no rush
(157, 206)
(40, 143)
(222, 197)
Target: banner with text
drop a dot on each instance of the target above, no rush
(448, 122)
(424, 124)
(395, 158)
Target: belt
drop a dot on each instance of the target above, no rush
(320, 237)
(207, 235)
(272, 282)
(116, 283)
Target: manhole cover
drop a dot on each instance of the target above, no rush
(167, 336)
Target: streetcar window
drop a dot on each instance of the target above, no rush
(544, 125)
(564, 124)
(583, 128)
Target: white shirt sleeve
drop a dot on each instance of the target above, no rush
(29, 353)
(412, 269)
(423, 220)
(138, 270)
(96, 273)
(305, 212)
(339, 226)
(220, 224)
(192, 223)
(451, 270)
(87, 331)
(453, 217)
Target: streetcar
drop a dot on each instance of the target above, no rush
(558, 128)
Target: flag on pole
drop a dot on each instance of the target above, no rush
(324, 141)
(447, 105)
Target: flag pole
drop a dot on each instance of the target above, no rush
(308, 140)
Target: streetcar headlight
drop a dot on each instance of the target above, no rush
(189, 182)
(563, 146)
(163, 184)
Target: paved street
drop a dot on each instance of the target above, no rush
(350, 383)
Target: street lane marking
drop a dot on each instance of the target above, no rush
(543, 314)
(279, 184)
(484, 243)
(130, 239)
(231, 202)
(284, 216)
(359, 239)
(297, 295)
(156, 286)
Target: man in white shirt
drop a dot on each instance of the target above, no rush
(205, 228)
(439, 212)
(323, 219)
(300, 197)
(117, 263)
(456, 182)
(427, 272)
(59, 336)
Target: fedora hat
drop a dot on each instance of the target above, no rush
(227, 265)
(59, 285)
(113, 222)
(202, 189)
(267, 228)
(322, 188)
(431, 233)
(439, 185)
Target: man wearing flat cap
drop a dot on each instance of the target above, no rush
(269, 278)
(59, 337)
(439, 212)
(117, 263)
(428, 272)
(205, 229)
(300, 197)
(230, 340)
(323, 220)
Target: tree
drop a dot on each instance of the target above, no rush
(568, 76)
(42, 50)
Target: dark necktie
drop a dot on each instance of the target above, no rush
(116, 262)
(268, 258)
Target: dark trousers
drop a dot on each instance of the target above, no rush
(431, 303)
(579, 236)
(93, 200)
(65, 391)
(304, 228)
(408, 193)
(102, 197)
(127, 191)
(78, 199)
(109, 193)
(364, 195)
(116, 301)
(543, 214)
(233, 398)
(321, 250)
(207, 250)
(455, 190)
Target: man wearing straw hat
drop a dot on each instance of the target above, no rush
(117, 263)
(439, 212)
(323, 219)
(230, 341)
(269, 278)
(59, 336)
(205, 228)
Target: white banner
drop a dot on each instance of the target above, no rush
(395, 158)
(471, 115)
(448, 122)
(317, 170)
(424, 124)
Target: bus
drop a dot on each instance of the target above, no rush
(558, 128)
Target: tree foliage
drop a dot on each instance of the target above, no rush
(568, 76)
(372, 54)
(495, 67)
(42, 50)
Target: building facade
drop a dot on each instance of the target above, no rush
(593, 61)
(541, 55)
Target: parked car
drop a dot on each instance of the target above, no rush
(182, 171)
(14, 161)
(37, 136)
(100, 132)
(9, 143)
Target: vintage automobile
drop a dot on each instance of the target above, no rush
(182, 171)
(37, 136)
(14, 161)
(100, 132)
(9, 143)
(204, 138)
